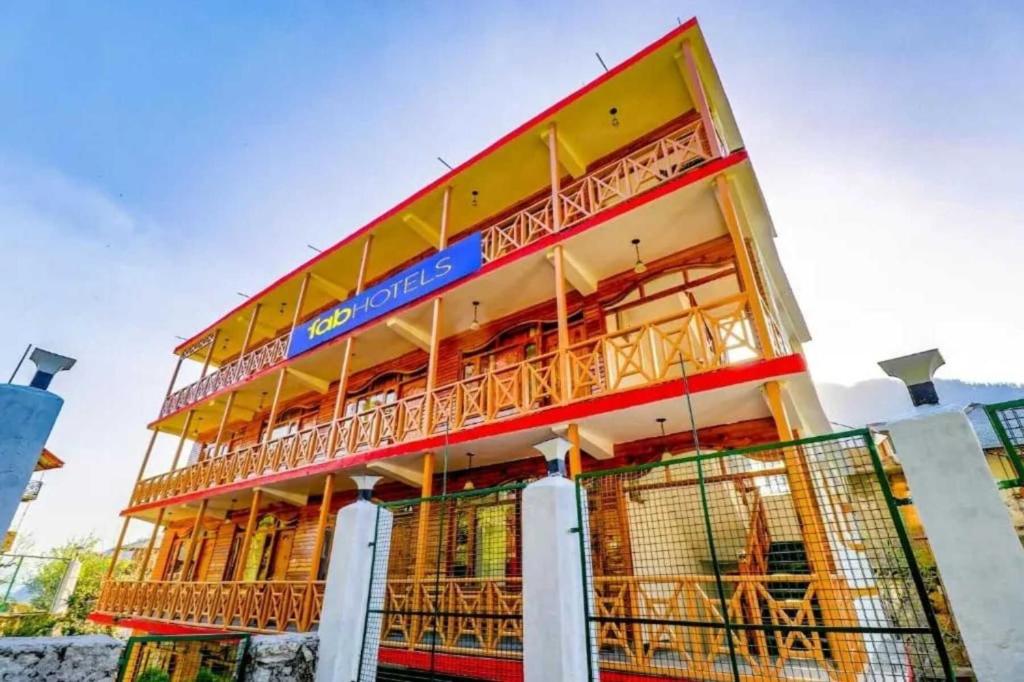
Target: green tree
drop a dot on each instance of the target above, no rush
(46, 581)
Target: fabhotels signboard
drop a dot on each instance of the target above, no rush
(440, 270)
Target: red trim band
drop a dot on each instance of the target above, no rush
(707, 170)
(155, 627)
(759, 370)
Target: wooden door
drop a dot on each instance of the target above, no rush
(282, 554)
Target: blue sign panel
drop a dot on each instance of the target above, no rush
(462, 259)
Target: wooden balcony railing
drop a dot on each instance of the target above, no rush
(269, 606)
(707, 338)
(482, 616)
(646, 168)
(695, 651)
(229, 374)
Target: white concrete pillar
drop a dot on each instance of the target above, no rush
(66, 587)
(359, 553)
(554, 611)
(27, 416)
(978, 554)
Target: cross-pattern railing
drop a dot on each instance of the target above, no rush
(267, 606)
(706, 338)
(229, 374)
(458, 626)
(650, 166)
(610, 185)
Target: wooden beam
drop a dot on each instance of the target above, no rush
(446, 202)
(423, 523)
(247, 339)
(436, 313)
(145, 457)
(578, 276)
(294, 499)
(144, 563)
(274, 404)
(726, 203)
(224, 417)
(334, 289)
(250, 527)
(427, 232)
(410, 332)
(196, 529)
(209, 354)
(595, 445)
(575, 460)
(174, 377)
(562, 313)
(834, 595)
(182, 438)
(321, 526)
(687, 64)
(117, 548)
(300, 300)
(319, 385)
(568, 157)
(346, 356)
(409, 475)
(556, 197)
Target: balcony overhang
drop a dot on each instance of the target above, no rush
(727, 395)
(647, 90)
(677, 214)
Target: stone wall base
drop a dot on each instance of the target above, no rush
(94, 658)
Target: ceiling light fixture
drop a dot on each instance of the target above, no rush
(469, 469)
(612, 112)
(639, 267)
(475, 324)
(664, 450)
(475, 195)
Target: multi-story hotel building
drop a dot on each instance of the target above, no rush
(560, 282)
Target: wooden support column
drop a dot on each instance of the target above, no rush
(318, 549)
(346, 357)
(149, 546)
(117, 548)
(274, 404)
(435, 323)
(321, 526)
(209, 354)
(181, 440)
(700, 99)
(834, 594)
(426, 490)
(746, 269)
(422, 537)
(558, 260)
(572, 434)
(174, 377)
(301, 299)
(224, 418)
(556, 197)
(192, 541)
(250, 528)
(247, 339)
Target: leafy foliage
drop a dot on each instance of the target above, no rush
(46, 581)
(153, 675)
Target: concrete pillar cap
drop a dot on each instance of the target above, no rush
(365, 485)
(554, 451)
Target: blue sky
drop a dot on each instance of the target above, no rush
(157, 159)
